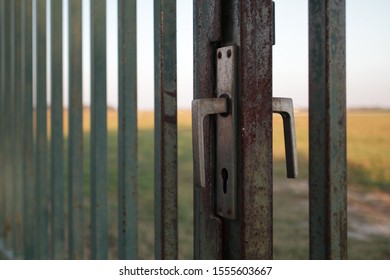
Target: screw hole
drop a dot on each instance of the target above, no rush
(229, 53)
(219, 54)
(225, 176)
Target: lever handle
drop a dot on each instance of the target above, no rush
(200, 109)
(284, 107)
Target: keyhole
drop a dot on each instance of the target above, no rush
(225, 176)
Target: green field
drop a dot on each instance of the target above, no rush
(368, 179)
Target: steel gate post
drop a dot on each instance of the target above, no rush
(76, 232)
(127, 130)
(165, 179)
(2, 119)
(8, 226)
(17, 130)
(99, 203)
(42, 193)
(28, 156)
(327, 130)
(207, 227)
(247, 25)
(57, 147)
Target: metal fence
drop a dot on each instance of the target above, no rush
(42, 212)
(34, 193)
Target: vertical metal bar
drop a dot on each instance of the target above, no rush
(327, 130)
(11, 131)
(17, 144)
(99, 223)
(207, 34)
(57, 153)
(2, 119)
(41, 134)
(7, 125)
(75, 147)
(166, 232)
(251, 236)
(248, 25)
(28, 172)
(127, 138)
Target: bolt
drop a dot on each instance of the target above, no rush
(229, 53)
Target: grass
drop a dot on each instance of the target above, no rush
(368, 168)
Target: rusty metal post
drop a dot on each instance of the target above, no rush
(76, 236)
(99, 202)
(127, 131)
(247, 25)
(57, 190)
(207, 227)
(28, 155)
(17, 144)
(42, 193)
(2, 119)
(7, 146)
(10, 173)
(165, 180)
(327, 130)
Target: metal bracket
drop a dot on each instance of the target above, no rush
(224, 107)
(226, 157)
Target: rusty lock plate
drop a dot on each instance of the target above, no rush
(226, 156)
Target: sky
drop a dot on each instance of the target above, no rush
(368, 53)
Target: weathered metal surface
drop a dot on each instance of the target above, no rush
(76, 235)
(28, 157)
(248, 25)
(284, 107)
(99, 203)
(254, 240)
(57, 146)
(42, 186)
(127, 133)
(207, 33)
(17, 130)
(327, 130)
(166, 229)
(2, 118)
(226, 125)
(7, 145)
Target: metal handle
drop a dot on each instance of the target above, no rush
(200, 109)
(284, 106)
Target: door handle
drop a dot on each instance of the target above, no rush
(284, 107)
(224, 107)
(200, 109)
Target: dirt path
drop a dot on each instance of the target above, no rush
(368, 221)
(368, 213)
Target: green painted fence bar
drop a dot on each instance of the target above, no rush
(28, 157)
(57, 148)
(165, 173)
(76, 236)
(99, 207)
(17, 130)
(2, 119)
(42, 186)
(7, 127)
(327, 130)
(11, 132)
(127, 134)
